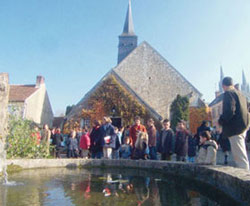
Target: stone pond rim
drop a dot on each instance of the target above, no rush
(232, 181)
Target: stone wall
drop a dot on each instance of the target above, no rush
(4, 98)
(232, 181)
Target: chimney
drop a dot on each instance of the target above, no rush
(39, 81)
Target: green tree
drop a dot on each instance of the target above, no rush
(179, 110)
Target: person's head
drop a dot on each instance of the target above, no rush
(73, 134)
(181, 125)
(127, 140)
(137, 120)
(205, 136)
(150, 122)
(58, 130)
(36, 128)
(85, 129)
(227, 83)
(46, 127)
(116, 130)
(106, 120)
(166, 124)
(97, 123)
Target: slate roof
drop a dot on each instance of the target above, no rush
(150, 78)
(153, 78)
(217, 100)
(19, 93)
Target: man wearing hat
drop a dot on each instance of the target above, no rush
(235, 121)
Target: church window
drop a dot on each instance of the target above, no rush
(85, 122)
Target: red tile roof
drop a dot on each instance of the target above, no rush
(19, 93)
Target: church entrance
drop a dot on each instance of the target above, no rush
(116, 121)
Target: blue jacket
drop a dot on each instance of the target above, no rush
(72, 143)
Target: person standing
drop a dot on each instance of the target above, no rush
(166, 140)
(235, 121)
(72, 144)
(192, 143)
(96, 149)
(181, 144)
(57, 139)
(152, 132)
(135, 129)
(107, 134)
(45, 139)
(84, 143)
(225, 146)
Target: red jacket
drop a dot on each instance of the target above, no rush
(133, 132)
(85, 141)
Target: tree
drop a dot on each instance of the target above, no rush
(21, 140)
(179, 110)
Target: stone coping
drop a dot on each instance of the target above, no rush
(233, 181)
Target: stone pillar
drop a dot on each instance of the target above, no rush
(4, 99)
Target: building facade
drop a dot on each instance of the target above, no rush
(31, 102)
(145, 75)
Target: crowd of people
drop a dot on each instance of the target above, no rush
(145, 142)
(134, 142)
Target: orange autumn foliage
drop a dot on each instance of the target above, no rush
(197, 115)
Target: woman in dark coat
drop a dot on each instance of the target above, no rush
(181, 144)
(96, 143)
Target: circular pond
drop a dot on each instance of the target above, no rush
(98, 187)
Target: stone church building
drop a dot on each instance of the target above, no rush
(147, 76)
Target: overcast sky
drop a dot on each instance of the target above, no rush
(73, 43)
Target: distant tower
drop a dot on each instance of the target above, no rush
(221, 79)
(128, 39)
(244, 85)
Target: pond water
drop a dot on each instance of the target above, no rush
(99, 187)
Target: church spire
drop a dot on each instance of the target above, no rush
(244, 85)
(128, 28)
(221, 79)
(128, 39)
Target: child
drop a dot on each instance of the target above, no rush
(208, 149)
(117, 144)
(191, 148)
(141, 150)
(85, 143)
(166, 140)
(126, 149)
(72, 145)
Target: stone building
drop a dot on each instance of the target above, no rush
(145, 74)
(31, 102)
(216, 104)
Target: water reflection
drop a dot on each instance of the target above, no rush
(98, 187)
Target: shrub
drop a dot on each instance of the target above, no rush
(21, 141)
